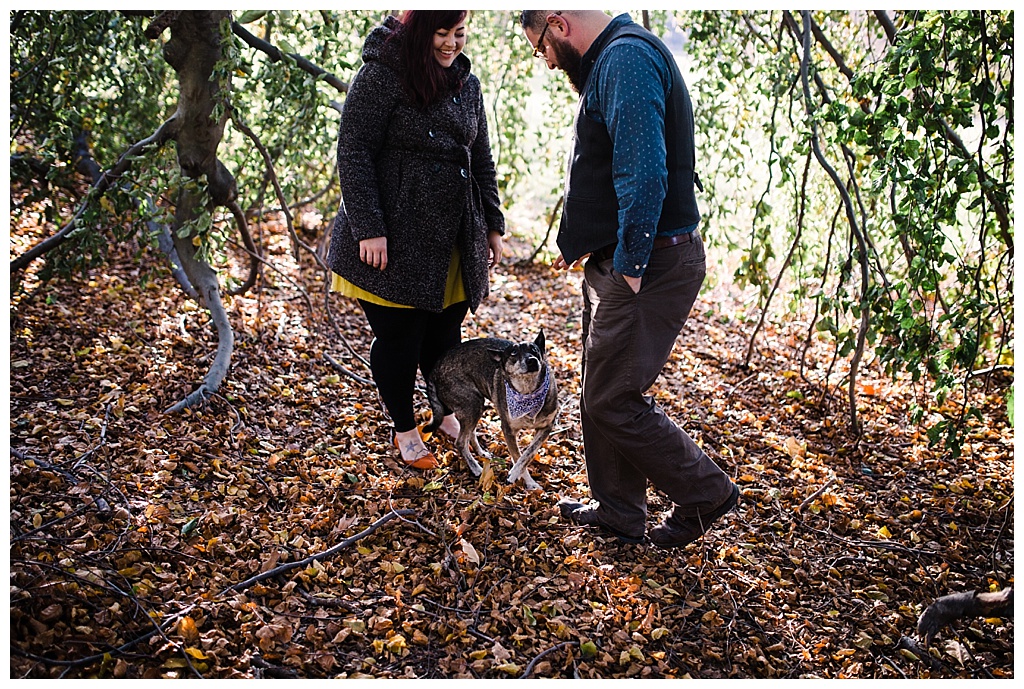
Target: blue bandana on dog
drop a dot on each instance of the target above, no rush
(528, 404)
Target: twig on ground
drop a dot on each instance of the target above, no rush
(341, 369)
(288, 566)
(533, 663)
(815, 495)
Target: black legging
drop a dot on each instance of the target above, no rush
(404, 339)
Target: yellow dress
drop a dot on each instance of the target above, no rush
(454, 290)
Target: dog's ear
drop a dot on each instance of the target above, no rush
(540, 341)
(498, 353)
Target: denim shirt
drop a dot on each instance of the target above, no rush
(626, 91)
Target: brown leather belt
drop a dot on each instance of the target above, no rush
(606, 252)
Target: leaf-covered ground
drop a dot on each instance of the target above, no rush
(129, 526)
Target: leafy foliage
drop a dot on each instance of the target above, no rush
(921, 123)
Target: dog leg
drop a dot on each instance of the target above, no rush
(520, 468)
(467, 436)
(477, 447)
(528, 482)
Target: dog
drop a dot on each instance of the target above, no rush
(517, 380)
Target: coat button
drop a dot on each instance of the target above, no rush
(437, 167)
(463, 172)
(456, 100)
(431, 133)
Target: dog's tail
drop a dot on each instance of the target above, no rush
(438, 410)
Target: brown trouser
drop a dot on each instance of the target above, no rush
(627, 438)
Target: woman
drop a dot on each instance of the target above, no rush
(421, 223)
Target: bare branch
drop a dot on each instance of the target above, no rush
(330, 552)
(551, 224)
(275, 55)
(254, 254)
(533, 663)
(886, 22)
(851, 219)
(165, 132)
(341, 369)
(285, 208)
(160, 24)
(204, 278)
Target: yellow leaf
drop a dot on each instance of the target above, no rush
(196, 653)
(884, 532)
(486, 477)
(470, 551)
(794, 448)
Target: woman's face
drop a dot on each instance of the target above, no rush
(448, 43)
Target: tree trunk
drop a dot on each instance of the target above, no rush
(193, 50)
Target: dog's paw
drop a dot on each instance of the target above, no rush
(474, 467)
(530, 484)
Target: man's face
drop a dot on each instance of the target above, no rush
(557, 53)
(566, 57)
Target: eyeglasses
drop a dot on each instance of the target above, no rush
(540, 50)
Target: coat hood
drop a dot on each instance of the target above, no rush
(383, 43)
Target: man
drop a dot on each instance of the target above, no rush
(631, 210)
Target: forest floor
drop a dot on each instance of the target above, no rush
(129, 526)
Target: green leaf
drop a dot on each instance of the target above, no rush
(190, 526)
(250, 16)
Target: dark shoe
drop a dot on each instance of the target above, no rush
(586, 515)
(677, 532)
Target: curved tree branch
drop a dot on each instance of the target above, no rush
(285, 208)
(204, 279)
(254, 254)
(551, 224)
(886, 22)
(785, 264)
(330, 552)
(276, 55)
(165, 132)
(851, 219)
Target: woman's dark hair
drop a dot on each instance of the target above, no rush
(425, 80)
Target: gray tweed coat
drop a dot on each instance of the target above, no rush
(423, 179)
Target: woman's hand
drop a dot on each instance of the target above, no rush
(374, 252)
(494, 248)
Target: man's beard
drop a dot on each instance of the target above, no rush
(569, 59)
